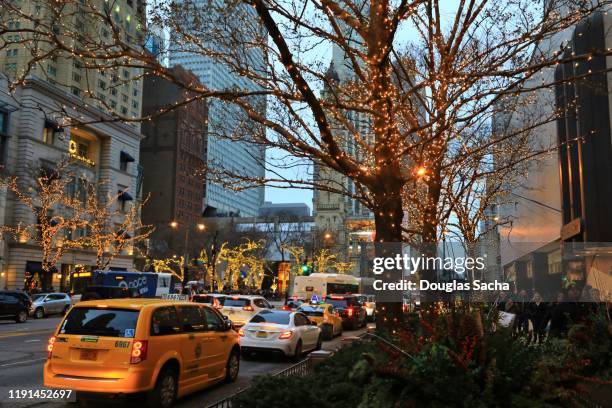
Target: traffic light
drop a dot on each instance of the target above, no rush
(306, 268)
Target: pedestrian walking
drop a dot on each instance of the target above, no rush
(538, 313)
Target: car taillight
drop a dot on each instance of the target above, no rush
(139, 351)
(248, 308)
(285, 307)
(285, 335)
(241, 331)
(50, 346)
(349, 311)
(217, 304)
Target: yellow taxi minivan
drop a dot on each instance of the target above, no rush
(163, 348)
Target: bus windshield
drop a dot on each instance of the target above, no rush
(342, 288)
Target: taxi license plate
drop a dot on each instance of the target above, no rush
(262, 334)
(91, 355)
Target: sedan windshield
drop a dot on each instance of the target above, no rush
(37, 297)
(240, 302)
(273, 317)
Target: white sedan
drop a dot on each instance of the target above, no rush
(241, 308)
(291, 333)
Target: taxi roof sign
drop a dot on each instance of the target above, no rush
(314, 299)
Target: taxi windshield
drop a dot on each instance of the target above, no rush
(100, 322)
(312, 310)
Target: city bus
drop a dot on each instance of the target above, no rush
(322, 284)
(144, 284)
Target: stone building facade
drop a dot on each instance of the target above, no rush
(33, 137)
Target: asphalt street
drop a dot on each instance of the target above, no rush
(22, 355)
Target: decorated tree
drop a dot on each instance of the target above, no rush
(111, 228)
(54, 215)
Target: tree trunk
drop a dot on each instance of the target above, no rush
(388, 243)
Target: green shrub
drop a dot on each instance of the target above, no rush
(447, 361)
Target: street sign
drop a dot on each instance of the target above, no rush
(571, 229)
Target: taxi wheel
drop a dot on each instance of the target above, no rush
(327, 331)
(164, 393)
(233, 366)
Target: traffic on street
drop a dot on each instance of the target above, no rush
(135, 345)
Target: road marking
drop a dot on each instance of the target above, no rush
(31, 341)
(22, 362)
(25, 333)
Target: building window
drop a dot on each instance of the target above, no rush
(76, 77)
(80, 150)
(51, 70)
(3, 135)
(101, 84)
(49, 132)
(76, 91)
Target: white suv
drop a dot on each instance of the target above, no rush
(240, 308)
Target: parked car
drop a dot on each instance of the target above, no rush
(241, 308)
(351, 311)
(14, 305)
(326, 316)
(44, 304)
(290, 333)
(369, 303)
(164, 349)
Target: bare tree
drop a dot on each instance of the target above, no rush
(416, 75)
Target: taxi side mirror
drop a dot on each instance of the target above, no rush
(227, 325)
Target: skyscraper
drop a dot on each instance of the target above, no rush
(115, 89)
(224, 119)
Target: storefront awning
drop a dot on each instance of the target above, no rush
(125, 196)
(126, 157)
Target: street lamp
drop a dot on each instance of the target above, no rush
(201, 227)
